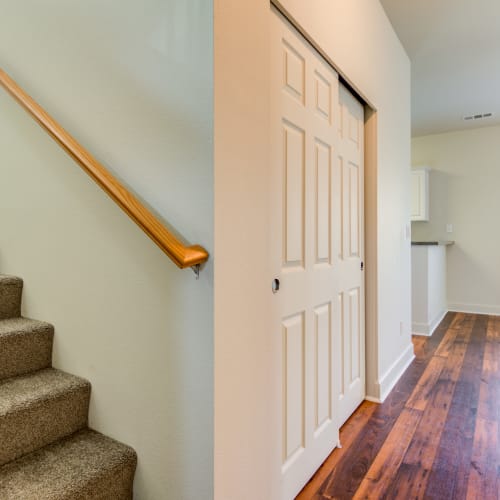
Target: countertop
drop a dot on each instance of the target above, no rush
(438, 242)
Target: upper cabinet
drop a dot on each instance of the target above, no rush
(420, 194)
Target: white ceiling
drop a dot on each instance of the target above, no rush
(454, 48)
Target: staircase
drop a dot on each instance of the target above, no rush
(47, 452)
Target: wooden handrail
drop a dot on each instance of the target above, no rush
(183, 256)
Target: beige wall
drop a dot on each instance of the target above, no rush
(245, 382)
(133, 82)
(464, 192)
(358, 37)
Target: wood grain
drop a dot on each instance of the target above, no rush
(182, 255)
(411, 480)
(450, 470)
(485, 459)
(348, 433)
(347, 476)
(387, 462)
(437, 434)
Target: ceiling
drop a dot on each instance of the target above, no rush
(454, 48)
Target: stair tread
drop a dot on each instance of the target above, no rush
(26, 390)
(7, 279)
(68, 469)
(22, 326)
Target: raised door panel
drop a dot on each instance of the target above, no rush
(293, 388)
(354, 207)
(416, 196)
(420, 194)
(323, 195)
(323, 367)
(294, 179)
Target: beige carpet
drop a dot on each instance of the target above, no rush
(46, 450)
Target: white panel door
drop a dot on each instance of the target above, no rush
(317, 249)
(351, 325)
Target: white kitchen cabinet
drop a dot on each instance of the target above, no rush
(420, 194)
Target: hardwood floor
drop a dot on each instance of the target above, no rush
(436, 435)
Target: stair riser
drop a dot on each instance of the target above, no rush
(10, 299)
(26, 353)
(116, 484)
(84, 466)
(31, 428)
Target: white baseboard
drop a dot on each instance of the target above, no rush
(420, 329)
(427, 329)
(392, 375)
(372, 399)
(491, 310)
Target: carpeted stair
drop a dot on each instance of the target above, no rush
(47, 451)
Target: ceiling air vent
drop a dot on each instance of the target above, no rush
(480, 116)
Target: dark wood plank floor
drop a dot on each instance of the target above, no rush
(437, 434)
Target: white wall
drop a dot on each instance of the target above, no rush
(464, 192)
(133, 82)
(420, 286)
(437, 283)
(428, 280)
(357, 36)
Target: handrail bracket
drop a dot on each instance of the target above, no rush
(196, 270)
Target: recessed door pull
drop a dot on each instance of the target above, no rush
(362, 265)
(276, 285)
